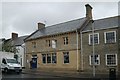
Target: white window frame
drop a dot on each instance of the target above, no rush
(90, 40)
(91, 60)
(111, 64)
(109, 32)
(54, 43)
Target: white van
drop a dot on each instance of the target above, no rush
(9, 63)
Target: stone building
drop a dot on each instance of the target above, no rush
(106, 45)
(57, 46)
(69, 45)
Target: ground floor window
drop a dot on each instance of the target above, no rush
(111, 59)
(43, 58)
(96, 59)
(66, 57)
(54, 58)
(49, 58)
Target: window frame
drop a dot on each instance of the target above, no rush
(90, 43)
(65, 39)
(90, 59)
(109, 32)
(48, 43)
(48, 62)
(54, 45)
(54, 55)
(111, 64)
(45, 58)
(64, 58)
(34, 44)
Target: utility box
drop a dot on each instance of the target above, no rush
(112, 74)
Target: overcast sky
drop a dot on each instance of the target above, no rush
(22, 17)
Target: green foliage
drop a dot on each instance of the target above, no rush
(9, 47)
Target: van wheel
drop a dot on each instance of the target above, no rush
(6, 70)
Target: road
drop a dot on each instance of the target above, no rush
(13, 76)
(43, 76)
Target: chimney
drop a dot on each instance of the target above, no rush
(41, 25)
(88, 11)
(14, 36)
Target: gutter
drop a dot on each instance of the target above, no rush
(81, 51)
(77, 50)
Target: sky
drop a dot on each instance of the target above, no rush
(22, 17)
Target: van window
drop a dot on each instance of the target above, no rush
(12, 61)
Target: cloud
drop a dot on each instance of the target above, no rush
(22, 17)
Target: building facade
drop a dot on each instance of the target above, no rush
(16, 45)
(106, 45)
(57, 46)
(69, 45)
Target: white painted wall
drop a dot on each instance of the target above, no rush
(21, 55)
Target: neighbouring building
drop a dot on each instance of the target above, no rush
(106, 45)
(16, 45)
(1, 43)
(69, 45)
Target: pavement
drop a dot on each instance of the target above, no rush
(66, 74)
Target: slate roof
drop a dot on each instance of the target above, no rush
(110, 22)
(19, 41)
(73, 25)
(58, 28)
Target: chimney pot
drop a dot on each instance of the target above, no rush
(41, 25)
(88, 11)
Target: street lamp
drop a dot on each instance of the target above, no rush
(93, 43)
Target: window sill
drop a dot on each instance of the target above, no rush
(111, 43)
(92, 44)
(111, 65)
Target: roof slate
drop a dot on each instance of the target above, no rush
(110, 22)
(19, 41)
(73, 25)
(58, 28)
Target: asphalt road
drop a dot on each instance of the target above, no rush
(14, 76)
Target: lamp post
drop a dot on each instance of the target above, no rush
(93, 43)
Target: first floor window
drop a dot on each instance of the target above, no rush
(111, 59)
(54, 58)
(48, 58)
(66, 57)
(34, 44)
(96, 38)
(65, 40)
(96, 59)
(54, 43)
(110, 37)
(48, 43)
(44, 58)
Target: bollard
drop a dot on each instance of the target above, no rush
(112, 74)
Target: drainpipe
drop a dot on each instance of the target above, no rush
(81, 51)
(77, 50)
